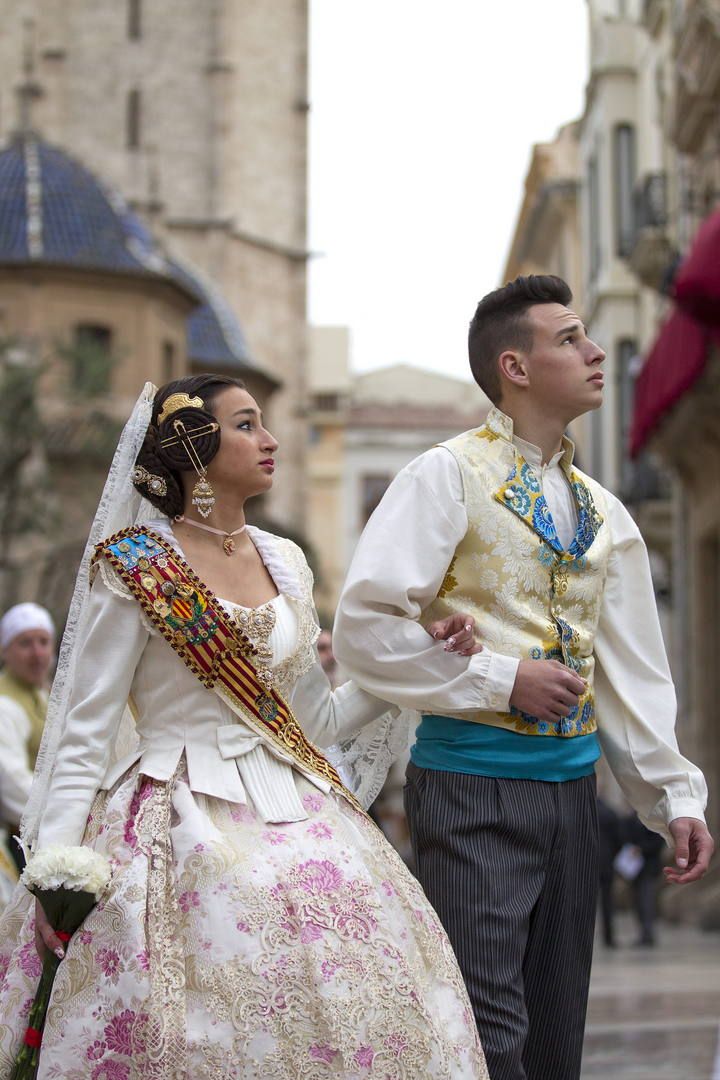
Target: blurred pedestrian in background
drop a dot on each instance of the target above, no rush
(27, 647)
(8, 872)
(648, 847)
(610, 844)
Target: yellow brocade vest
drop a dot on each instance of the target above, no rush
(530, 598)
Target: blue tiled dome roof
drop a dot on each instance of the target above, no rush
(55, 211)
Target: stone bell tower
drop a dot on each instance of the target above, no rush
(197, 114)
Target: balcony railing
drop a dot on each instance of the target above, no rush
(651, 202)
(651, 252)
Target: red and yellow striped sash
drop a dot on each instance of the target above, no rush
(197, 627)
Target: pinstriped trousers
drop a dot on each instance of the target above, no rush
(510, 866)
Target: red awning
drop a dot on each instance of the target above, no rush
(697, 283)
(673, 364)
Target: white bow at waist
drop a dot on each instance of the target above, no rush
(235, 741)
(268, 773)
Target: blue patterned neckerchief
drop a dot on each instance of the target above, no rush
(522, 493)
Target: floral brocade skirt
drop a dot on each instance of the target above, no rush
(230, 949)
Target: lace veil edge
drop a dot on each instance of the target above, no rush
(120, 506)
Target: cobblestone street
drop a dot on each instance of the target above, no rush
(654, 1014)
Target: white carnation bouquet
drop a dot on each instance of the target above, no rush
(68, 882)
(76, 869)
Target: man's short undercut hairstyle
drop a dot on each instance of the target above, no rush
(500, 322)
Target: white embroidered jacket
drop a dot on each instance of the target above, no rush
(125, 658)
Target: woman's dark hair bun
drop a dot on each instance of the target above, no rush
(168, 462)
(205, 446)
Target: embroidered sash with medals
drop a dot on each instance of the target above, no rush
(202, 634)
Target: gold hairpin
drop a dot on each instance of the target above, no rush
(182, 434)
(179, 401)
(203, 496)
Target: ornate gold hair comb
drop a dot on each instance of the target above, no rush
(179, 401)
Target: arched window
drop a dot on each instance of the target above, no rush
(133, 119)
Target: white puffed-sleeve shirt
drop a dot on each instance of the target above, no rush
(397, 570)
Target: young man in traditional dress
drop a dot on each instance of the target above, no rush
(500, 794)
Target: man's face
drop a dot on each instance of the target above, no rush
(29, 655)
(564, 367)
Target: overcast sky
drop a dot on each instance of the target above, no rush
(423, 115)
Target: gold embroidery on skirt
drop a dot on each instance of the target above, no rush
(166, 1031)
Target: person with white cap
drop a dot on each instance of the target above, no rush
(27, 646)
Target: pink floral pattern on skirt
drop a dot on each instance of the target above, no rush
(230, 948)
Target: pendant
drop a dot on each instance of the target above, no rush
(203, 497)
(228, 545)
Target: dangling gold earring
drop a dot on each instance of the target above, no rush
(203, 496)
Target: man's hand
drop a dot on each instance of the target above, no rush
(459, 633)
(693, 849)
(546, 689)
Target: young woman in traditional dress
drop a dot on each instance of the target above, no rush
(257, 924)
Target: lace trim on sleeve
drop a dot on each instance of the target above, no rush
(116, 585)
(112, 582)
(364, 761)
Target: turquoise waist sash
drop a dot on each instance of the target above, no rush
(452, 745)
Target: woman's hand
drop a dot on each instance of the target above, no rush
(458, 631)
(45, 936)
